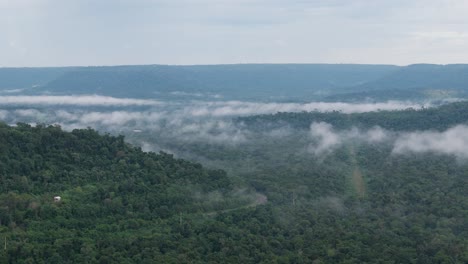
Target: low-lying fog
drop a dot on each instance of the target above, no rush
(211, 122)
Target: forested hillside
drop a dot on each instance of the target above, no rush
(346, 196)
(243, 132)
(116, 201)
(284, 198)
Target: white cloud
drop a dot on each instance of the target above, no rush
(28, 112)
(238, 108)
(216, 109)
(434, 35)
(208, 95)
(85, 100)
(222, 31)
(280, 132)
(117, 117)
(3, 114)
(376, 134)
(165, 124)
(453, 141)
(326, 138)
(211, 122)
(62, 114)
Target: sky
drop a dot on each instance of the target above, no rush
(115, 32)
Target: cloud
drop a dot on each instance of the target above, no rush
(453, 141)
(85, 100)
(211, 122)
(163, 124)
(238, 108)
(118, 117)
(28, 112)
(3, 114)
(436, 35)
(65, 115)
(225, 31)
(211, 131)
(152, 147)
(209, 95)
(216, 109)
(190, 121)
(373, 135)
(376, 134)
(280, 132)
(10, 91)
(326, 139)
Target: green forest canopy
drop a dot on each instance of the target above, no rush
(360, 204)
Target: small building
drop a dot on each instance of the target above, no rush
(57, 199)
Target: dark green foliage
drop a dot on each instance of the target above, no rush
(106, 186)
(414, 209)
(120, 205)
(408, 208)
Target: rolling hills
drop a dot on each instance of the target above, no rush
(333, 82)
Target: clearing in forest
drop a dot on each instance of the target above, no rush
(357, 179)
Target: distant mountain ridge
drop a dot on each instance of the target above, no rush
(233, 81)
(27, 78)
(245, 81)
(421, 76)
(411, 82)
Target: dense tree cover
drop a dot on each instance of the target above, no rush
(360, 206)
(359, 203)
(356, 204)
(107, 187)
(434, 118)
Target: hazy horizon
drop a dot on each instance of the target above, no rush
(222, 64)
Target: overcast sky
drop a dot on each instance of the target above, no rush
(109, 32)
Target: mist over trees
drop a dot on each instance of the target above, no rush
(286, 194)
(263, 134)
(234, 164)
